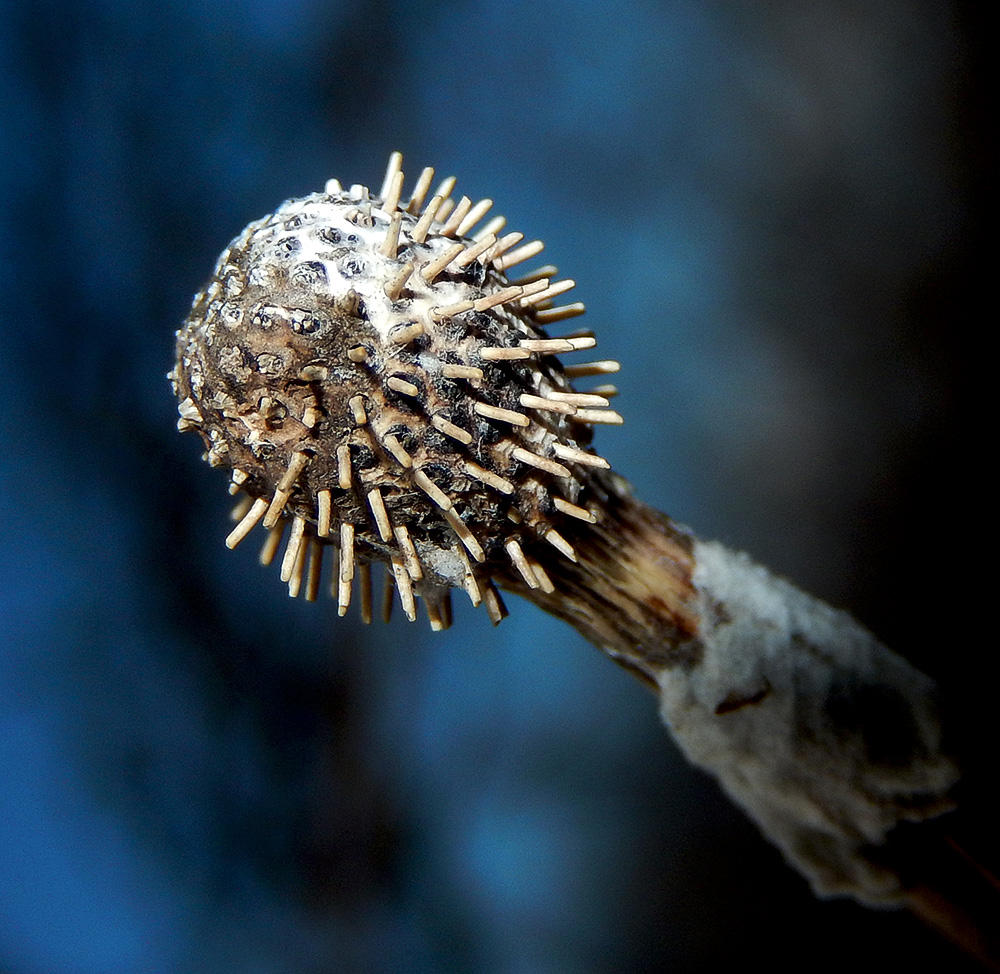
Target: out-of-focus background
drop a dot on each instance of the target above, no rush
(773, 213)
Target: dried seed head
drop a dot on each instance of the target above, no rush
(372, 375)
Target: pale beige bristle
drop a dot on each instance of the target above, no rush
(315, 570)
(547, 346)
(419, 233)
(547, 405)
(498, 297)
(461, 372)
(580, 398)
(532, 289)
(406, 334)
(544, 582)
(495, 607)
(409, 552)
(311, 414)
(295, 540)
(504, 415)
(381, 515)
(348, 303)
(391, 199)
(357, 405)
(275, 508)
(450, 310)
(457, 216)
(465, 535)
(298, 573)
(397, 384)
(240, 510)
(392, 171)
(420, 191)
(450, 429)
(550, 315)
(324, 513)
(475, 214)
(540, 463)
(546, 270)
(396, 449)
(333, 188)
(492, 228)
(313, 373)
(434, 616)
(250, 520)
(519, 561)
(522, 253)
(575, 455)
(488, 478)
(476, 250)
(432, 269)
(605, 389)
(504, 244)
(271, 543)
(391, 242)
(447, 206)
(365, 591)
(446, 187)
(344, 467)
(239, 478)
(606, 416)
(558, 542)
(573, 511)
(345, 568)
(432, 490)
(295, 467)
(404, 586)
(387, 594)
(358, 355)
(604, 367)
(469, 582)
(394, 288)
(504, 354)
(547, 293)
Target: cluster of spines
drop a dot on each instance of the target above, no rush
(531, 295)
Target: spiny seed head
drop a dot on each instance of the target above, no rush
(372, 376)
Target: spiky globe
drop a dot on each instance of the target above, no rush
(376, 381)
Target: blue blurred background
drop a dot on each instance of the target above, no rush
(773, 213)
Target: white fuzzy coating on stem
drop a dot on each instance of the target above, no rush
(822, 735)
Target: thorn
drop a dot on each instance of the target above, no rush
(419, 233)
(432, 490)
(295, 539)
(465, 535)
(546, 270)
(504, 244)
(315, 569)
(344, 467)
(420, 190)
(544, 582)
(447, 205)
(469, 582)
(404, 586)
(498, 297)
(547, 293)
(444, 190)
(575, 455)
(607, 390)
(505, 415)
(284, 489)
(357, 405)
(242, 506)
(541, 463)
(561, 545)
(434, 615)
(548, 316)
(407, 333)
(488, 478)
(397, 384)
(573, 511)
(606, 416)
(394, 288)
(391, 243)
(358, 355)
(493, 227)
(477, 249)
(450, 310)
(548, 405)
(391, 199)
(297, 575)
(311, 413)
(473, 217)
(248, 523)
(365, 591)
(461, 372)
(580, 398)
(381, 515)
(239, 478)
(348, 304)
(457, 216)
(270, 547)
(323, 513)
(396, 449)
(430, 271)
(496, 354)
(521, 563)
(495, 607)
(450, 429)
(333, 188)
(345, 569)
(525, 252)
(604, 367)
(409, 552)
(392, 170)
(547, 346)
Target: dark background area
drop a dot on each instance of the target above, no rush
(775, 213)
